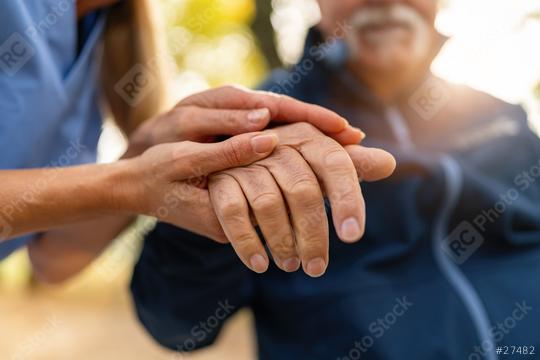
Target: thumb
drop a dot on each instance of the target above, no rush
(371, 164)
(241, 150)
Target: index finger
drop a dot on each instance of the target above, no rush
(282, 108)
(336, 172)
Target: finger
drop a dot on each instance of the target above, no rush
(282, 108)
(199, 122)
(349, 136)
(337, 173)
(371, 164)
(233, 214)
(194, 159)
(268, 206)
(201, 219)
(305, 201)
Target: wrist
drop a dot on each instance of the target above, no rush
(122, 185)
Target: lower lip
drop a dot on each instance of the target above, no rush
(385, 27)
(384, 31)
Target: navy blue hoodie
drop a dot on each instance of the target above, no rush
(450, 261)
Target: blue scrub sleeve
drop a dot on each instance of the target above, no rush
(9, 246)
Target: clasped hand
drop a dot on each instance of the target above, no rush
(276, 179)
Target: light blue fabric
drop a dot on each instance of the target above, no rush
(49, 111)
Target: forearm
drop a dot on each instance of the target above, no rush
(41, 199)
(61, 253)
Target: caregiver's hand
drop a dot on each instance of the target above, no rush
(292, 180)
(58, 253)
(159, 182)
(232, 110)
(172, 184)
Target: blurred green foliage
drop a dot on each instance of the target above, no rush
(213, 39)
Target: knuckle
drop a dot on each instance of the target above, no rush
(219, 177)
(240, 92)
(218, 181)
(180, 152)
(267, 204)
(312, 207)
(231, 210)
(272, 96)
(243, 242)
(181, 119)
(347, 198)
(232, 152)
(283, 246)
(338, 164)
(336, 156)
(306, 191)
(279, 99)
(229, 88)
(287, 157)
(258, 100)
(305, 128)
(182, 113)
(233, 118)
(312, 222)
(281, 153)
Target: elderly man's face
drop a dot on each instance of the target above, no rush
(383, 35)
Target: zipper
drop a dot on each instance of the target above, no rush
(456, 278)
(458, 281)
(399, 128)
(454, 183)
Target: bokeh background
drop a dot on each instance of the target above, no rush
(494, 47)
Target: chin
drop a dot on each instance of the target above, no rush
(388, 54)
(390, 62)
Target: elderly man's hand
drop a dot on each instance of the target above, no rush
(284, 192)
(202, 117)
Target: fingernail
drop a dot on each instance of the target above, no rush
(291, 264)
(258, 263)
(263, 144)
(316, 267)
(257, 116)
(350, 230)
(362, 134)
(358, 131)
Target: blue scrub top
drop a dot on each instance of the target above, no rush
(49, 101)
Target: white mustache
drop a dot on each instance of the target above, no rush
(384, 42)
(396, 13)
